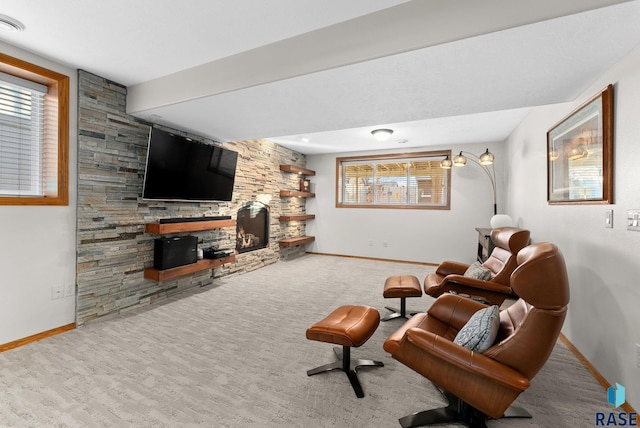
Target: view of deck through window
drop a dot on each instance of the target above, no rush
(413, 180)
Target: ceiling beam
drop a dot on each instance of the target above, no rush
(409, 26)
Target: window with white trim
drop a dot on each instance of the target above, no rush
(33, 134)
(409, 180)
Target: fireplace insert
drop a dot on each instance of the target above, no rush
(252, 227)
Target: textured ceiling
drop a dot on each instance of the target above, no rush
(437, 72)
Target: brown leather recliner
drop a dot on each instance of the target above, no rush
(482, 385)
(449, 276)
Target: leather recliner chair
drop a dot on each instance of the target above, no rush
(483, 385)
(449, 276)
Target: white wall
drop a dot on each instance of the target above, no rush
(38, 244)
(604, 264)
(414, 235)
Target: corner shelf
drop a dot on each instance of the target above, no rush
(200, 265)
(297, 170)
(190, 226)
(300, 217)
(293, 242)
(300, 240)
(287, 193)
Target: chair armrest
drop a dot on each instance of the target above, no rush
(450, 268)
(462, 358)
(477, 283)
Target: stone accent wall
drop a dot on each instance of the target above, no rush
(112, 247)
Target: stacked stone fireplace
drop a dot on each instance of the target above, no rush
(252, 227)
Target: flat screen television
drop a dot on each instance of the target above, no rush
(180, 169)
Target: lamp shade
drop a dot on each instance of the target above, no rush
(487, 158)
(446, 163)
(501, 220)
(459, 160)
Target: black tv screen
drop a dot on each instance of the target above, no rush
(180, 169)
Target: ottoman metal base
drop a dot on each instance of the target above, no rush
(347, 365)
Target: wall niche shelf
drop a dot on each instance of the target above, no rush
(188, 226)
(200, 265)
(300, 217)
(293, 242)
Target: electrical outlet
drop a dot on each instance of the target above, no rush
(69, 289)
(371, 243)
(57, 291)
(637, 356)
(385, 244)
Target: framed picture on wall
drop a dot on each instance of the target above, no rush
(580, 154)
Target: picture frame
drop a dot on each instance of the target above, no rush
(580, 154)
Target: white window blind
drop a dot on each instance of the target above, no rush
(22, 121)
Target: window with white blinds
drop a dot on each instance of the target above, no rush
(413, 180)
(34, 134)
(21, 137)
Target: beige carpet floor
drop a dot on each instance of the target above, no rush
(234, 354)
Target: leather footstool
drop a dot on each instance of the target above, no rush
(401, 286)
(349, 326)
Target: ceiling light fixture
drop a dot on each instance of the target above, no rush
(484, 161)
(382, 134)
(10, 25)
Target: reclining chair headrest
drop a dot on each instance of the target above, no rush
(511, 239)
(541, 276)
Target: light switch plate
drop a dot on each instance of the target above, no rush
(608, 219)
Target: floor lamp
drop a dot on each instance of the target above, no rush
(484, 161)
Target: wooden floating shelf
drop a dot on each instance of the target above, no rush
(297, 170)
(189, 226)
(200, 265)
(285, 193)
(293, 242)
(300, 217)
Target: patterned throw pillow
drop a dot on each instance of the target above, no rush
(479, 333)
(477, 271)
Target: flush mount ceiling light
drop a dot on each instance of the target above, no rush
(382, 134)
(10, 25)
